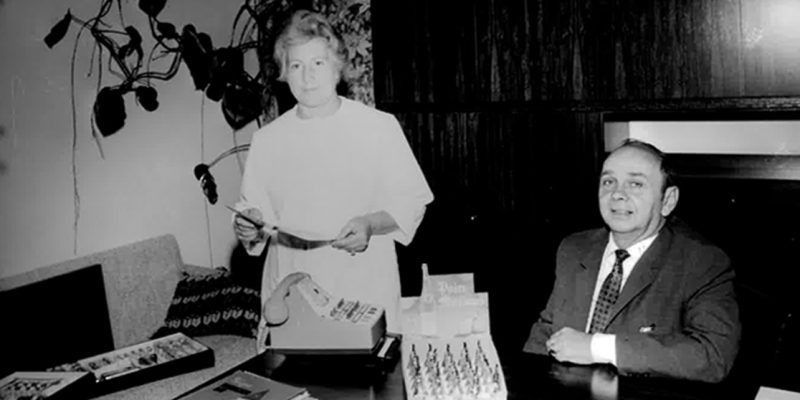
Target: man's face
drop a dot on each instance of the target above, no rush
(631, 200)
(312, 74)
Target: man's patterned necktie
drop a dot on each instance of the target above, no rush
(608, 294)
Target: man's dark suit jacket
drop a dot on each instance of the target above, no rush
(676, 315)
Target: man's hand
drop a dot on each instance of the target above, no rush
(570, 345)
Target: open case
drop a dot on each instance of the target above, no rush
(141, 363)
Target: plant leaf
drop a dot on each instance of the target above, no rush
(241, 103)
(152, 7)
(167, 30)
(226, 66)
(58, 31)
(109, 111)
(207, 182)
(196, 49)
(147, 96)
(134, 44)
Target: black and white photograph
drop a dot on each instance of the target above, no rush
(605, 192)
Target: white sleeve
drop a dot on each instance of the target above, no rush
(403, 191)
(253, 192)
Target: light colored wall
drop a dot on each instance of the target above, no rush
(762, 137)
(144, 187)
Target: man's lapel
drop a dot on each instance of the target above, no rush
(645, 271)
(586, 279)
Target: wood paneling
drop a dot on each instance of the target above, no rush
(503, 103)
(541, 50)
(502, 99)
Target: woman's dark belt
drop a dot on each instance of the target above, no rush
(296, 242)
(284, 238)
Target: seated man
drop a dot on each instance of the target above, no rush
(646, 293)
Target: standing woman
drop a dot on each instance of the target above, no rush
(331, 168)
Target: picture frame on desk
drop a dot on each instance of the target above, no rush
(143, 362)
(32, 385)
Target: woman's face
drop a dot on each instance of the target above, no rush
(312, 74)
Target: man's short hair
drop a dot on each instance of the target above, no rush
(665, 164)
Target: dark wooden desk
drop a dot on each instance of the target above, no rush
(531, 376)
(528, 376)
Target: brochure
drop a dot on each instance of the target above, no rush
(243, 385)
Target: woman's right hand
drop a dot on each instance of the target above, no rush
(245, 230)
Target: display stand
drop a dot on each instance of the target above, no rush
(447, 351)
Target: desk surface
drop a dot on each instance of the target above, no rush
(528, 376)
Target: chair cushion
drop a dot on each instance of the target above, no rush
(212, 304)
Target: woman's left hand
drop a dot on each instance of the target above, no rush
(354, 236)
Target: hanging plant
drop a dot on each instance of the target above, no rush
(218, 73)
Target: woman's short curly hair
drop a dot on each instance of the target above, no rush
(303, 26)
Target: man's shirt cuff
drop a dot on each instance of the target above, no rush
(604, 348)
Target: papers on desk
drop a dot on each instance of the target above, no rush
(768, 393)
(338, 308)
(243, 385)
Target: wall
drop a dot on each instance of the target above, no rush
(710, 137)
(144, 187)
